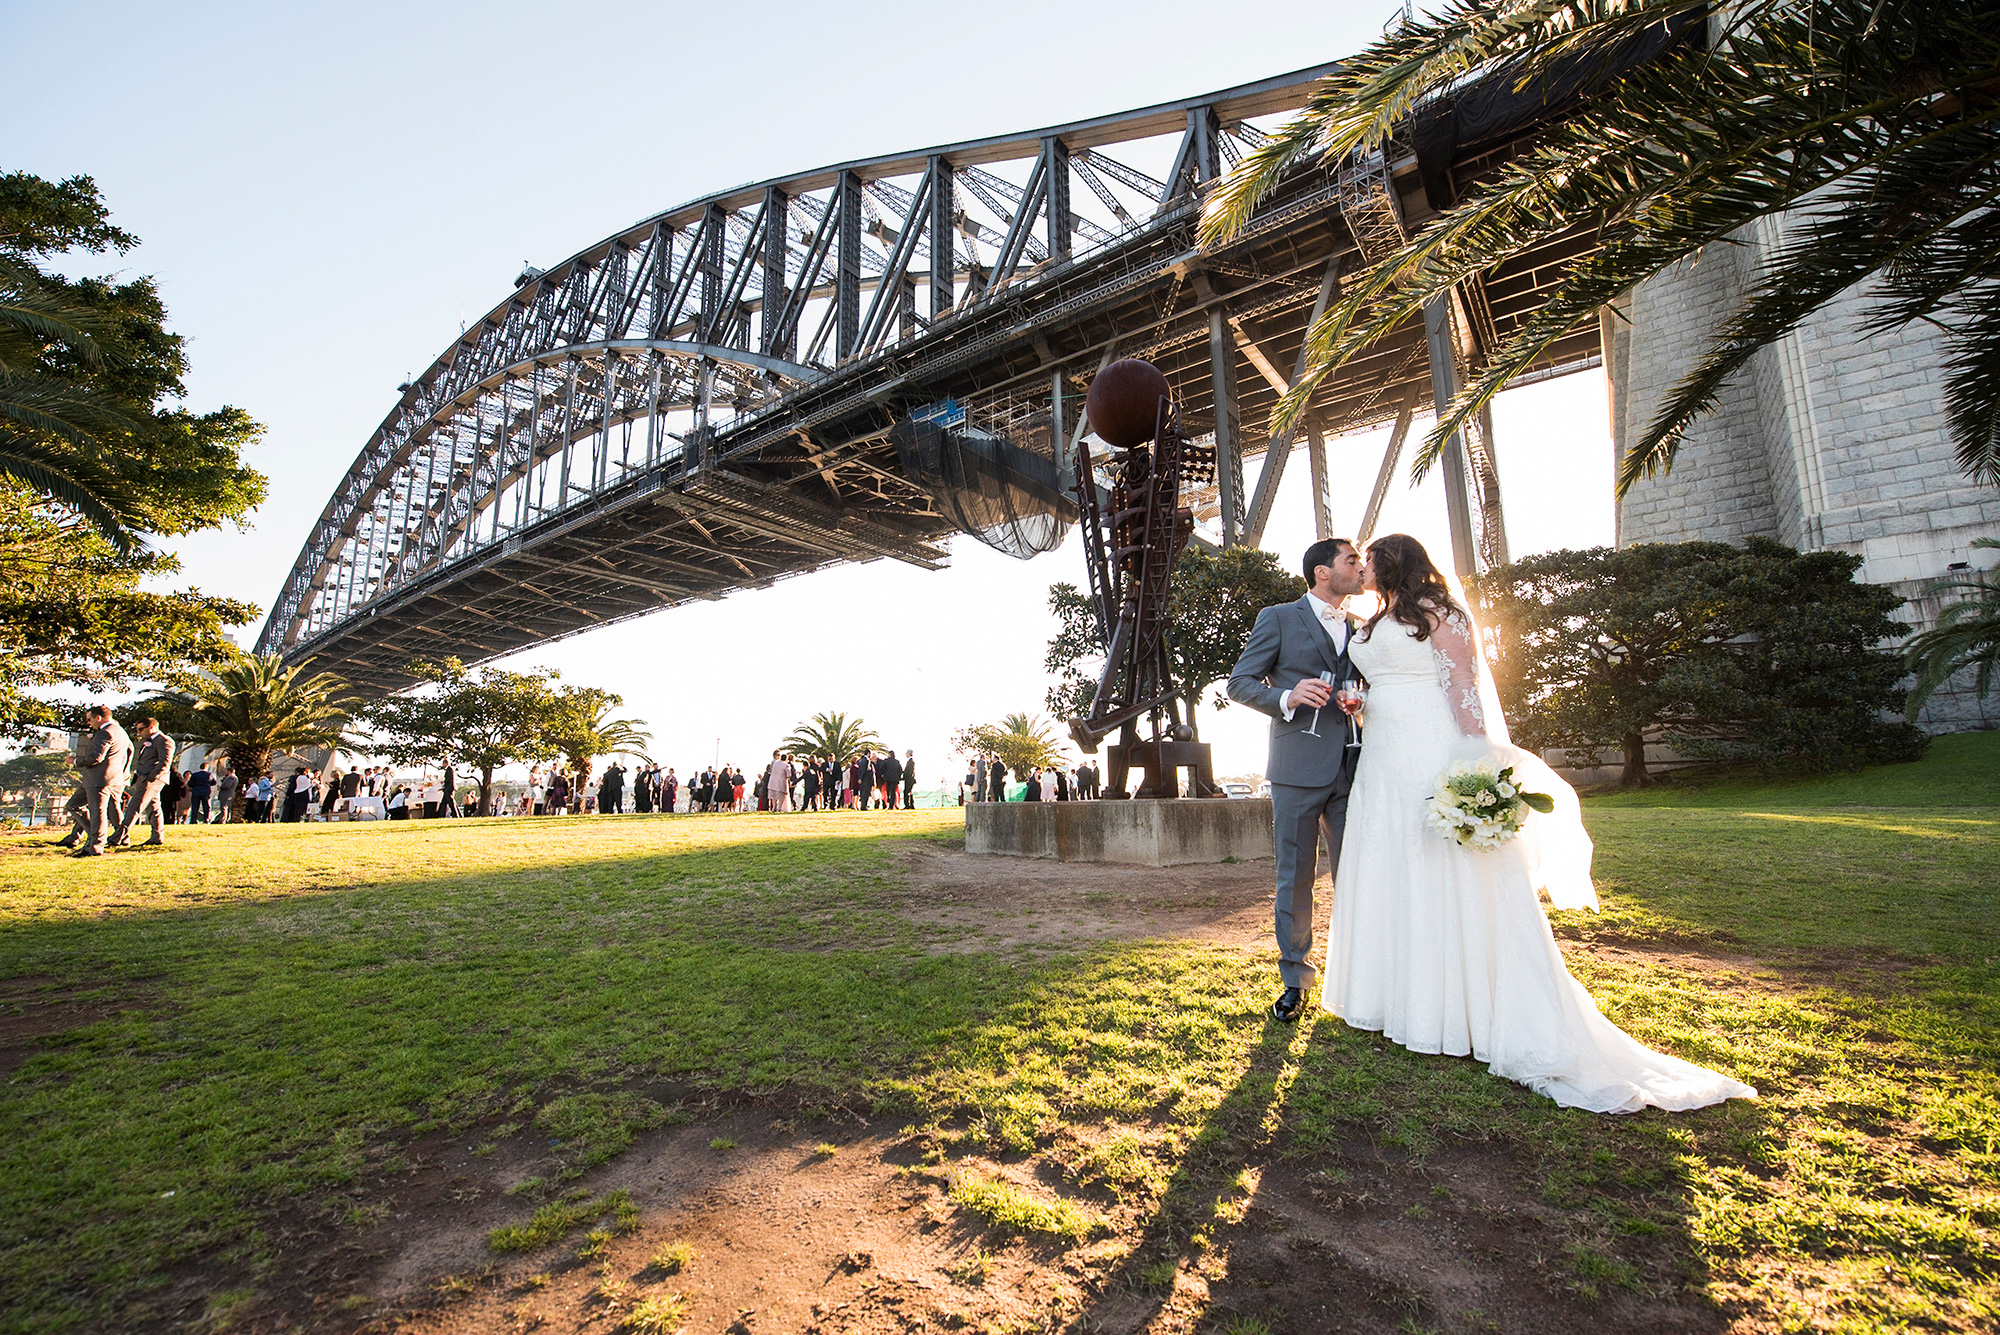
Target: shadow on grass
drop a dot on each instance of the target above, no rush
(251, 1058)
(1184, 1249)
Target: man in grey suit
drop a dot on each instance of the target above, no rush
(1279, 674)
(152, 762)
(101, 766)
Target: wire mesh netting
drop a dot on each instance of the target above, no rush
(1002, 489)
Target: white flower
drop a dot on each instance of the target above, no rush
(1486, 797)
(1507, 789)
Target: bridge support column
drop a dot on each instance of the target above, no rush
(777, 221)
(847, 274)
(1444, 388)
(944, 240)
(1322, 503)
(1228, 425)
(1493, 521)
(1059, 438)
(713, 323)
(1055, 156)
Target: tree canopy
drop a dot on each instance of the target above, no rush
(37, 777)
(1022, 741)
(88, 371)
(479, 717)
(95, 451)
(1872, 128)
(1216, 599)
(1755, 653)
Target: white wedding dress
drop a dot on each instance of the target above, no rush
(1446, 949)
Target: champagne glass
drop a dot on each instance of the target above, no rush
(1350, 698)
(1313, 731)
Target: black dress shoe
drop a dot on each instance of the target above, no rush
(1288, 1005)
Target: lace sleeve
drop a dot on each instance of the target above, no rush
(1458, 673)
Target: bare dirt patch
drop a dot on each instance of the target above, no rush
(34, 1011)
(778, 1234)
(981, 903)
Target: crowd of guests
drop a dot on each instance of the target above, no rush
(986, 781)
(122, 779)
(786, 783)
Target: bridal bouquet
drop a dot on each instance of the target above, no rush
(1479, 804)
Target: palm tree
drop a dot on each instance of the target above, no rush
(1022, 741)
(831, 737)
(1876, 127)
(599, 734)
(1967, 634)
(255, 707)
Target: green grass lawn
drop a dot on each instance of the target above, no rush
(264, 1020)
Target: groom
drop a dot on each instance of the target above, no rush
(1289, 647)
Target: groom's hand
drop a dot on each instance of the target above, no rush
(1311, 693)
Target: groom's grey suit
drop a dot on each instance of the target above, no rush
(1310, 776)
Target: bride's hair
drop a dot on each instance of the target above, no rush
(1412, 587)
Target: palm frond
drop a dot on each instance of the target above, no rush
(1967, 634)
(1885, 126)
(52, 475)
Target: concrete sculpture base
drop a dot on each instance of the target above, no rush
(1167, 832)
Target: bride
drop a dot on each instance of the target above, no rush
(1445, 949)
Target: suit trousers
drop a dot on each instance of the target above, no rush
(145, 801)
(1299, 816)
(198, 810)
(101, 810)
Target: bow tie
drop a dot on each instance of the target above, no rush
(1331, 614)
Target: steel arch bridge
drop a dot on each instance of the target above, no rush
(703, 402)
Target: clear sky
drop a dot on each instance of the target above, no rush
(326, 193)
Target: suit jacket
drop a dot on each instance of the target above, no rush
(1288, 645)
(910, 772)
(106, 755)
(888, 771)
(152, 758)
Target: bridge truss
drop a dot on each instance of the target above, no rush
(702, 402)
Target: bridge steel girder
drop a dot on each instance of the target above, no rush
(701, 402)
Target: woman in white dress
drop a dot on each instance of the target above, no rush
(1445, 949)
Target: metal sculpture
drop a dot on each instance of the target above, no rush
(1134, 531)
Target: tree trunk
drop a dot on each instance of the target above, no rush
(1634, 746)
(249, 765)
(1192, 702)
(486, 790)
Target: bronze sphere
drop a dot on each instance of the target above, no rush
(1124, 402)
